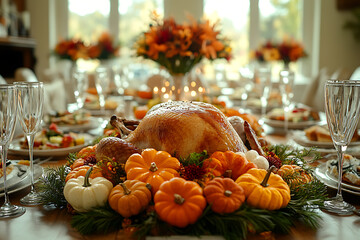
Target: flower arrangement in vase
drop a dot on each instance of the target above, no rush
(104, 48)
(179, 47)
(71, 49)
(290, 50)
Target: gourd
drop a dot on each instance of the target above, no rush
(229, 163)
(294, 175)
(179, 202)
(82, 170)
(153, 167)
(129, 198)
(84, 193)
(264, 189)
(224, 195)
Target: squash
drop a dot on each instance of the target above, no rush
(83, 193)
(224, 195)
(81, 171)
(86, 151)
(153, 167)
(229, 163)
(264, 189)
(179, 202)
(294, 175)
(129, 198)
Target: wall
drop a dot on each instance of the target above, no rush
(338, 48)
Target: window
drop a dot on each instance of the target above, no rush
(88, 19)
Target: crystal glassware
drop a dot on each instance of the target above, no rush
(8, 105)
(342, 105)
(263, 82)
(286, 85)
(102, 82)
(30, 109)
(81, 84)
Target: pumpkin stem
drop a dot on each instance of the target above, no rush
(228, 173)
(267, 176)
(126, 190)
(86, 179)
(227, 193)
(178, 199)
(153, 167)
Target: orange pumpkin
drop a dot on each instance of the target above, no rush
(81, 171)
(87, 151)
(224, 195)
(234, 165)
(294, 175)
(264, 189)
(129, 198)
(78, 163)
(153, 167)
(179, 202)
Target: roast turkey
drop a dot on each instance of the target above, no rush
(181, 128)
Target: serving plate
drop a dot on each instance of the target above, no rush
(15, 148)
(23, 181)
(301, 139)
(320, 173)
(344, 184)
(93, 123)
(291, 125)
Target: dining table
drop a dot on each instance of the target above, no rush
(44, 222)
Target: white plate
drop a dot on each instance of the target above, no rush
(93, 123)
(24, 181)
(300, 138)
(291, 125)
(15, 149)
(320, 173)
(346, 185)
(13, 177)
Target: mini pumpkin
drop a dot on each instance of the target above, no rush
(129, 198)
(84, 193)
(264, 189)
(229, 163)
(294, 175)
(81, 171)
(153, 167)
(179, 202)
(224, 195)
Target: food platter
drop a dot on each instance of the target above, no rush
(322, 174)
(20, 177)
(15, 148)
(300, 138)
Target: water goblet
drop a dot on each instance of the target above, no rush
(342, 107)
(30, 108)
(81, 84)
(8, 107)
(102, 82)
(286, 85)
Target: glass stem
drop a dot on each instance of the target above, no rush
(3, 160)
(30, 139)
(341, 150)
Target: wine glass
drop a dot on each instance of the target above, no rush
(102, 82)
(286, 84)
(264, 83)
(81, 82)
(342, 107)
(8, 106)
(30, 108)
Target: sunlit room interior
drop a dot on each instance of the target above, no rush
(255, 95)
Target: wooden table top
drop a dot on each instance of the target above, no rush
(41, 223)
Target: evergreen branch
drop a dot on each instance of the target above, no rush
(99, 220)
(51, 186)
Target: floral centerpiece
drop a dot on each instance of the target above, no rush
(266, 52)
(104, 48)
(179, 47)
(290, 51)
(71, 49)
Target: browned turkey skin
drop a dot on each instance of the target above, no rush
(181, 128)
